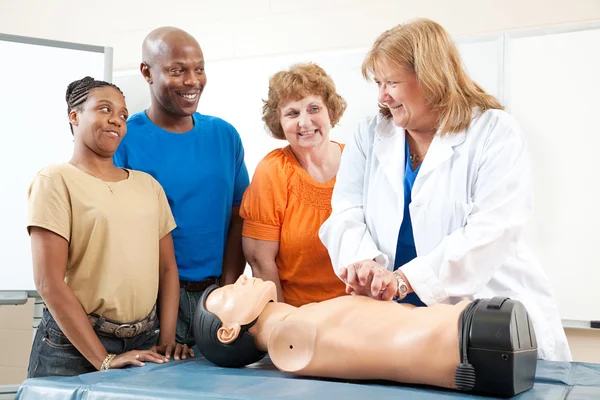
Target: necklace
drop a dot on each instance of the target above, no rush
(87, 171)
(415, 158)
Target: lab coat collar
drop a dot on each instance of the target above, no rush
(384, 127)
(389, 150)
(441, 149)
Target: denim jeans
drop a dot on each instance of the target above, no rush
(184, 333)
(52, 354)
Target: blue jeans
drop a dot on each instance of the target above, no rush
(188, 301)
(52, 354)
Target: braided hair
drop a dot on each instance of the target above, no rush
(78, 91)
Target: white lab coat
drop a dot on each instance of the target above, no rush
(470, 201)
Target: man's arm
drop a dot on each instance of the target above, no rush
(233, 258)
(168, 299)
(168, 291)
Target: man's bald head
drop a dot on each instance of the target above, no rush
(163, 40)
(173, 66)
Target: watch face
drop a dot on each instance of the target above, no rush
(403, 288)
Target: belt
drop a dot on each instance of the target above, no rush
(119, 330)
(199, 286)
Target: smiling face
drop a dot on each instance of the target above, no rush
(305, 122)
(399, 90)
(176, 76)
(241, 303)
(100, 123)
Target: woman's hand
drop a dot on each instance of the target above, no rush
(368, 278)
(179, 351)
(137, 358)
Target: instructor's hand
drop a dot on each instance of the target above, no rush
(368, 278)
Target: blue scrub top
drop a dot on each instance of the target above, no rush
(405, 249)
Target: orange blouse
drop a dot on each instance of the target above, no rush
(285, 204)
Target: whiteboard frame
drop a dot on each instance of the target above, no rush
(108, 51)
(509, 36)
(17, 295)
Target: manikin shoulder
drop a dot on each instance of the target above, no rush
(292, 345)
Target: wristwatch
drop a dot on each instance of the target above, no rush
(402, 287)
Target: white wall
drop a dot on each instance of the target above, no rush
(244, 28)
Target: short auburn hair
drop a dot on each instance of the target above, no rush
(299, 81)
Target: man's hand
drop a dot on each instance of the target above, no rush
(368, 278)
(178, 351)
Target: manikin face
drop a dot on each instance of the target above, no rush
(239, 304)
(305, 122)
(399, 90)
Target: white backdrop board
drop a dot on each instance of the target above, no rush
(235, 89)
(34, 75)
(548, 81)
(554, 92)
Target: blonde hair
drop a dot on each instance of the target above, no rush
(299, 81)
(424, 46)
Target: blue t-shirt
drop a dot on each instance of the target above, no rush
(203, 174)
(405, 249)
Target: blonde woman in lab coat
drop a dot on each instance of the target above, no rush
(433, 193)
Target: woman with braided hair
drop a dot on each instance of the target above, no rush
(102, 250)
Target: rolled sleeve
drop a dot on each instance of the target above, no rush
(424, 281)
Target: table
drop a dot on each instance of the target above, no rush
(199, 379)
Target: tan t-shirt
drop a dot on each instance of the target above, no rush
(113, 237)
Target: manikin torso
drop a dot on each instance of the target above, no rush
(355, 337)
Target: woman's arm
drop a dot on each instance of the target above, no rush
(345, 233)
(50, 252)
(261, 256)
(233, 258)
(263, 210)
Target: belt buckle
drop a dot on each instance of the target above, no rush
(136, 330)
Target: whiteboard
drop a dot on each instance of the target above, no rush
(34, 75)
(554, 93)
(235, 89)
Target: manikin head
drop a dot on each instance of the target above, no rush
(223, 317)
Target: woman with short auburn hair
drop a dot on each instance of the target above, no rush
(290, 194)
